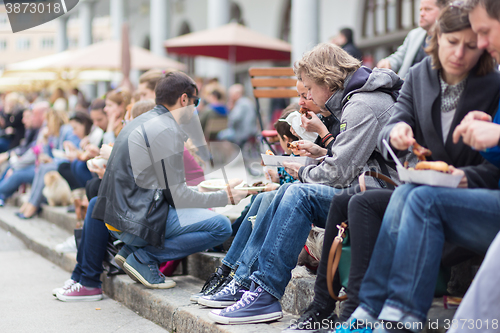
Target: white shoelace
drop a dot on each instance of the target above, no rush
(68, 284)
(76, 287)
(230, 288)
(245, 300)
(70, 241)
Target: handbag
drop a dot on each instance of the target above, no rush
(339, 257)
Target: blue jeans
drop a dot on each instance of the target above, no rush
(4, 144)
(259, 206)
(10, 185)
(91, 251)
(187, 231)
(280, 234)
(80, 172)
(36, 196)
(399, 283)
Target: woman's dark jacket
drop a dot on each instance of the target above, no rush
(419, 105)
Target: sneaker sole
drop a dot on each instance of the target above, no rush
(92, 298)
(54, 292)
(120, 260)
(244, 320)
(194, 298)
(215, 304)
(134, 275)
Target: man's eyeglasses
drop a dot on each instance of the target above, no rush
(196, 101)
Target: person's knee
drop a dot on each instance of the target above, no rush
(227, 230)
(90, 209)
(421, 201)
(222, 229)
(44, 168)
(296, 193)
(359, 201)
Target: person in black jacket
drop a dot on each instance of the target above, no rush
(33, 119)
(345, 39)
(146, 207)
(11, 122)
(143, 197)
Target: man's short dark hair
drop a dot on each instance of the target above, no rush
(348, 34)
(98, 104)
(172, 86)
(492, 7)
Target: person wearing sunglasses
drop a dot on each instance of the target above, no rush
(143, 197)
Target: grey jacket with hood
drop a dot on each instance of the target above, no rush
(364, 106)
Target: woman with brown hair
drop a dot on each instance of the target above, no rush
(398, 287)
(53, 137)
(116, 105)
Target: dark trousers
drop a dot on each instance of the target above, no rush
(91, 251)
(364, 212)
(76, 173)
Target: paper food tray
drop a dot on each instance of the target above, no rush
(428, 177)
(273, 160)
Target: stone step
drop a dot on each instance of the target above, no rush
(169, 308)
(201, 265)
(57, 225)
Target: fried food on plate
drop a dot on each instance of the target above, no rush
(433, 165)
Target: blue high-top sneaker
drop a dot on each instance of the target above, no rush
(256, 306)
(227, 296)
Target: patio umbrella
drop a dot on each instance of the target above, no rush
(103, 55)
(40, 63)
(232, 42)
(107, 55)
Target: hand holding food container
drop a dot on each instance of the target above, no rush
(433, 173)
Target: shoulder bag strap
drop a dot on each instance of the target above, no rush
(362, 181)
(333, 261)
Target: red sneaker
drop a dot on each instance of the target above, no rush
(79, 293)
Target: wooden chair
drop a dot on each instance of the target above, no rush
(272, 82)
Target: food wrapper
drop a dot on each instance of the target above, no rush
(428, 177)
(273, 160)
(295, 120)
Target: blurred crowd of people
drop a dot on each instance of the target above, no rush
(131, 161)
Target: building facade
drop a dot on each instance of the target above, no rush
(379, 26)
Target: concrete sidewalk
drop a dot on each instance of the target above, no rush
(27, 304)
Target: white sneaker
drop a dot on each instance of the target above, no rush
(67, 285)
(69, 245)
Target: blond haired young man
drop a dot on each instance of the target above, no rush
(362, 101)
